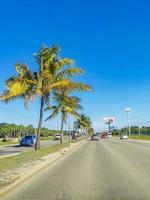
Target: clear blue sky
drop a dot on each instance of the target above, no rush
(109, 39)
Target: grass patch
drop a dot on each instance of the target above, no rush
(46, 138)
(7, 142)
(139, 137)
(14, 162)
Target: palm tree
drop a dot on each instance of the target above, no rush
(53, 74)
(83, 124)
(65, 105)
(90, 130)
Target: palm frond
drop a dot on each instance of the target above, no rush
(53, 115)
(76, 86)
(62, 63)
(74, 71)
(62, 84)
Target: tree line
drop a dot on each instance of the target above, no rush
(135, 130)
(8, 130)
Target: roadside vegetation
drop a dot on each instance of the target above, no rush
(16, 161)
(139, 137)
(84, 124)
(14, 131)
(136, 131)
(136, 137)
(54, 81)
(65, 105)
(7, 142)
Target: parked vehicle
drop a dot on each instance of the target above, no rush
(74, 137)
(57, 136)
(94, 137)
(28, 140)
(123, 137)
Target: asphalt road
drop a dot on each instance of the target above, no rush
(99, 170)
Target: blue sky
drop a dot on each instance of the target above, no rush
(110, 40)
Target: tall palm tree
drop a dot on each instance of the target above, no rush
(54, 73)
(65, 105)
(83, 124)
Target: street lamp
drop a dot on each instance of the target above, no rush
(139, 128)
(128, 110)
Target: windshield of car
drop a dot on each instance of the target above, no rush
(28, 137)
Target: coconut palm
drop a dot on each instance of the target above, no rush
(83, 124)
(54, 73)
(90, 130)
(65, 105)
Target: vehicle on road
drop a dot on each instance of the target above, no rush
(104, 136)
(123, 137)
(94, 137)
(28, 140)
(57, 136)
(109, 135)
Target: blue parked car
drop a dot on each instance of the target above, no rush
(28, 140)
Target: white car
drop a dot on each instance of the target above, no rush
(122, 137)
(57, 136)
(109, 135)
(94, 137)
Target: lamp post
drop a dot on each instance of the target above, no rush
(139, 128)
(128, 110)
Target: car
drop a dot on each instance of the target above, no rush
(123, 137)
(28, 140)
(94, 137)
(74, 137)
(104, 136)
(57, 136)
(109, 135)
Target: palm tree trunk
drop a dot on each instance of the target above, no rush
(37, 145)
(69, 130)
(62, 133)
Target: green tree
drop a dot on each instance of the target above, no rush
(65, 105)
(53, 74)
(83, 124)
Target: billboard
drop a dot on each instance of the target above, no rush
(109, 120)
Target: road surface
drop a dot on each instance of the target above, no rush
(99, 170)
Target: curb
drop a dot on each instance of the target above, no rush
(6, 156)
(33, 168)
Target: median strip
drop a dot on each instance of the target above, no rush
(16, 169)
